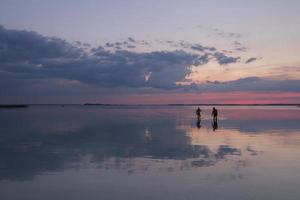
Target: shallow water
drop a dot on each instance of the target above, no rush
(90, 152)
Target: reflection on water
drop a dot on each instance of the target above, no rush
(146, 152)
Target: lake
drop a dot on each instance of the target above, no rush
(149, 152)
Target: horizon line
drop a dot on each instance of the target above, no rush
(171, 104)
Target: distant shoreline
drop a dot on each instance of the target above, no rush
(91, 104)
(108, 105)
(13, 106)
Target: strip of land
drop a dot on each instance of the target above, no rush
(13, 106)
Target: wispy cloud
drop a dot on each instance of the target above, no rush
(225, 34)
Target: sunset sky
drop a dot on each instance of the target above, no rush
(149, 52)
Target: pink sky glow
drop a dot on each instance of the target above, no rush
(206, 98)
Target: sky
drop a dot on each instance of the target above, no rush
(149, 52)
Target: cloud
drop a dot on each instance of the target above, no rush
(224, 60)
(248, 84)
(130, 39)
(199, 47)
(129, 43)
(250, 60)
(243, 49)
(27, 58)
(221, 33)
(130, 46)
(109, 44)
(189, 46)
(33, 64)
(239, 47)
(30, 46)
(225, 34)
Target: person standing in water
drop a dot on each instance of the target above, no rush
(214, 125)
(198, 113)
(214, 113)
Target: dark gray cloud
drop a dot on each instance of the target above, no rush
(27, 58)
(199, 47)
(224, 60)
(250, 60)
(109, 44)
(30, 46)
(130, 39)
(248, 84)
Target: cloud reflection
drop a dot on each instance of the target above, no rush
(130, 139)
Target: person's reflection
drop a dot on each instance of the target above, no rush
(199, 123)
(198, 113)
(214, 125)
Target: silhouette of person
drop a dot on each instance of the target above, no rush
(198, 113)
(214, 125)
(199, 123)
(214, 113)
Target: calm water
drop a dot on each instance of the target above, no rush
(77, 152)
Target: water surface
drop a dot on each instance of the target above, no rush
(94, 152)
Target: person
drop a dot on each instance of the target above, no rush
(198, 113)
(214, 113)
